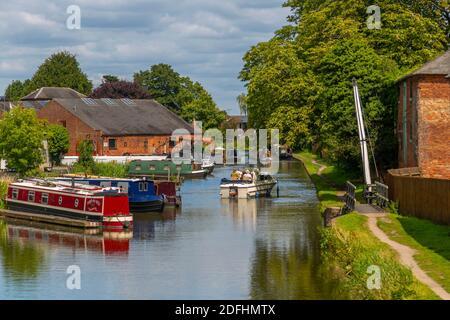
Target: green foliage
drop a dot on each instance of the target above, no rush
(203, 109)
(181, 94)
(309, 66)
(4, 183)
(61, 70)
(17, 90)
(110, 169)
(110, 78)
(293, 124)
(21, 138)
(58, 142)
(86, 162)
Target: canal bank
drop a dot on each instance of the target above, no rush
(352, 248)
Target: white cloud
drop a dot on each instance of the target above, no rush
(204, 39)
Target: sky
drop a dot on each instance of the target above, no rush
(203, 39)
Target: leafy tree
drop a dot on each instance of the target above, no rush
(58, 142)
(85, 150)
(163, 84)
(242, 103)
(120, 89)
(110, 78)
(21, 139)
(203, 109)
(15, 90)
(308, 67)
(61, 70)
(293, 124)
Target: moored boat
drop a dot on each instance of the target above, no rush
(257, 184)
(142, 193)
(208, 165)
(165, 169)
(69, 203)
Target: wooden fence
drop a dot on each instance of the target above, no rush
(421, 197)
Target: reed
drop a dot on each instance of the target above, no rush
(5, 180)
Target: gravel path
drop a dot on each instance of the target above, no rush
(406, 257)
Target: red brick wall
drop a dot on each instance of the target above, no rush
(434, 122)
(137, 145)
(78, 130)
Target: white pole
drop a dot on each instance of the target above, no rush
(362, 136)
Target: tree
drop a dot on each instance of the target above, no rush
(16, 90)
(61, 70)
(85, 150)
(305, 71)
(58, 142)
(203, 109)
(162, 83)
(242, 103)
(293, 124)
(120, 89)
(21, 139)
(110, 78)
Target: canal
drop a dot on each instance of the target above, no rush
(209, 249)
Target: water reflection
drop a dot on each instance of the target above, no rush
(39, 237)
(145, 225)
(243, 211)
(19, 259)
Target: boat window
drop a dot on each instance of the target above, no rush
(31, 195)
(44, 198)
(105, 184)
(141, 186)
(145, 186)
(152, 168)
(60, 199)
(123, 186)
(138, 168)
(77, 202)
(15, 193)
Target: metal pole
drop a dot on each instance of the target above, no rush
(362, 137)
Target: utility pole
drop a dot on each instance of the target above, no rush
(362, 137)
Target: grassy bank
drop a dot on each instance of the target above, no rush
(431, 242)
(349, 249)
(330, 182)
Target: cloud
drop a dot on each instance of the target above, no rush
(204, 39)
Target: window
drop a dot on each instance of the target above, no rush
(44, 198)
(77, 202)
(128, 102)
(109, 102)
(89, 101)
(143, 186)
(125, 144)
(112, 144)
(138, 168)
(31, 195)
(15, 193)
(145, 144)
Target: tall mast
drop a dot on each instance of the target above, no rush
(362, 136)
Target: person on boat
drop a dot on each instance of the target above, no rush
(247, 176)
(235, 175)
(254, 176)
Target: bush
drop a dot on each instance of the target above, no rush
(4, 183)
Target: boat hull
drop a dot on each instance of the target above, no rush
(246, 191)
(147, 206)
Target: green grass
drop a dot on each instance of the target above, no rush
(4, 183)
(331, 182)
(349, 248)
(431, 242)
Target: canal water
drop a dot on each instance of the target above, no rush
(210, 248)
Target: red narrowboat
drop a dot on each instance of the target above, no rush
(107, 208)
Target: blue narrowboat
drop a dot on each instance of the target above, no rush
(142, 193)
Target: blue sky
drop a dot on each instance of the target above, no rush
(204, 39)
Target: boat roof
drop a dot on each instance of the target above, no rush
(69, 177)
(59, 186)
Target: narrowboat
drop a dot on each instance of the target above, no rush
(66, 203)
(142, 193)
(257, 184)
(170, 191)
(165, 170)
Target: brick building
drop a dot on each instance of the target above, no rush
(115, 126)
(423, 127)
